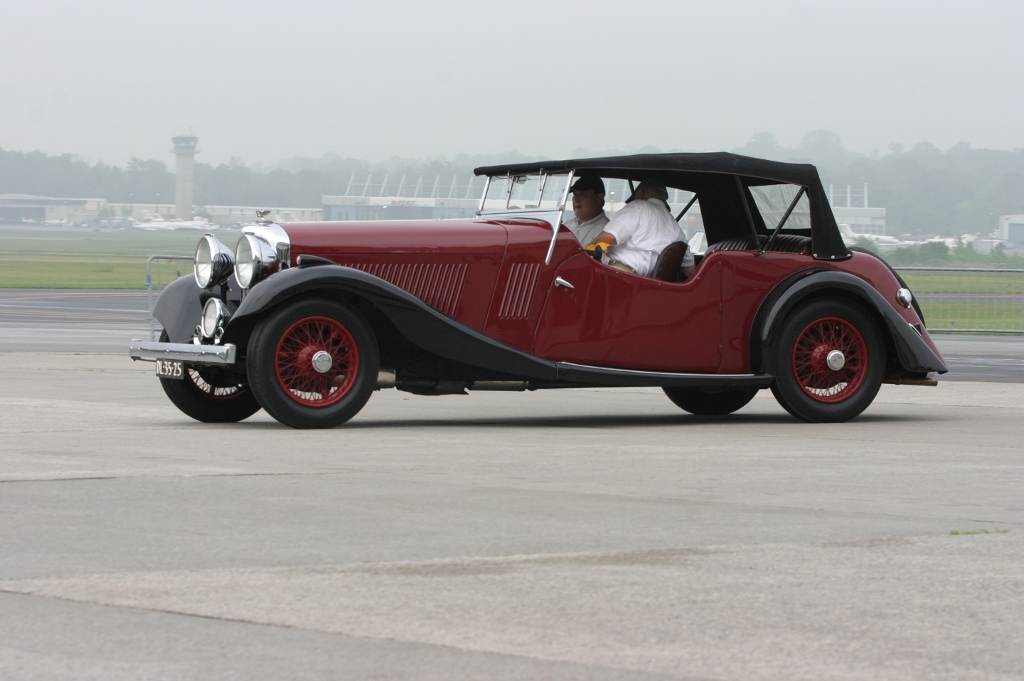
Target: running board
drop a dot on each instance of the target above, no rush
(606, 376)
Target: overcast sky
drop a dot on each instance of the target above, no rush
(266, 80)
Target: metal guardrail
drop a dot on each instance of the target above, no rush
(953, 299)
(968, 300)
(162, 269)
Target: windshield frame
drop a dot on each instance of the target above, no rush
(542, 212)
(544, 177)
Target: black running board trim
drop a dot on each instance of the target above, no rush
(606, 376)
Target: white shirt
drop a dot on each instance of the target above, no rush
(642, 230)
(589, 229)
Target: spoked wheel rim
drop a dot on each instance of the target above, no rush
(317, 361)
(816, 345)
(205, 387)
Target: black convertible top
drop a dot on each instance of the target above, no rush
(715, 162)
(712, 176)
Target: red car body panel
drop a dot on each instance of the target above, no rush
(523, 282)
(451, 267)
(490, 275)
(617, 319)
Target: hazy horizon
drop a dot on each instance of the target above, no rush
(266, 82)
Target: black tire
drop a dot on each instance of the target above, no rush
(804, 384)
(209, 395)
(709, 402)
(281, 371)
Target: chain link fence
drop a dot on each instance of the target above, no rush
(953, 299)
(968, 300)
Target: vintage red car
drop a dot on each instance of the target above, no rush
(308, 320)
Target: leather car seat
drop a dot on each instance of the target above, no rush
(667, 267)
(784, 243)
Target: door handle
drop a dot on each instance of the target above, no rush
(562, 282)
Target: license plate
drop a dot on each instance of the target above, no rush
(170, 368)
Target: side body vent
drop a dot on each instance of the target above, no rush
(522, 280)
(439, 285)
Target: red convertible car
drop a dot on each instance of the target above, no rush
(308, 320)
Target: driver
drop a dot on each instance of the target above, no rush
(641, 231)
(588, 206)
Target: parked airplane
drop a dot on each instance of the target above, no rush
(879, 241)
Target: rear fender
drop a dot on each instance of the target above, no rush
(912, 353)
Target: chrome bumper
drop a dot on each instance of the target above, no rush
(188, 352)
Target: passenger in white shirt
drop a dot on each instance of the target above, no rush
(589, 217)
(641, 231)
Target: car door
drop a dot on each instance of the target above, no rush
(598, 315)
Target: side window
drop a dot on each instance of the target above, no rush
(773, 201)
(690, 221)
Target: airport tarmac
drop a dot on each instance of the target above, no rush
(54, 320)
(574, 534)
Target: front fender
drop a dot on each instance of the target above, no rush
(419, 323)
(912, 353)
(179, 308)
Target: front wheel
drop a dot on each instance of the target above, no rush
(705, 402)
(829, 361)
(313, 364)
(209, 394)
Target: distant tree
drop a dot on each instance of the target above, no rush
(925, 190)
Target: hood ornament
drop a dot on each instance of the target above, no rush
(262, 215)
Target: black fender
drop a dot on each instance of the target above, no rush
(179, 308)
(913, 299)
(912, 353)
(180, 305)
(419, 323)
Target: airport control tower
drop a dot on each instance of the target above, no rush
(185, 151)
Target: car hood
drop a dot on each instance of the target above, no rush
(406, 236)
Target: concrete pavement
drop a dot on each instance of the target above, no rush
(584, 534)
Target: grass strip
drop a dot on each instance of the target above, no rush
(55, 271)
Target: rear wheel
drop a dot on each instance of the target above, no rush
(313, 364)
(210, 394)
(829, 361)
(707, 402)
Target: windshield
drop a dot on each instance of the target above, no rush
(531, 191)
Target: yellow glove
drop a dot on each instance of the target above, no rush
(597, 250)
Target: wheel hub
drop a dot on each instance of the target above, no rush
(830, 359)
(835, 360)
(317, 361)
(322, 362)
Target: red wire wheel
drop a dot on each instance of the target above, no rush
(810, 355)
(199, 383)
(293, 361)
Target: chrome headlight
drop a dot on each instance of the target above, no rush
(215, 313)
(262, 250)
(213, 262)
(254, 260)
(905, 297)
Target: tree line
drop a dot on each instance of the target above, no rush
(925, 190)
